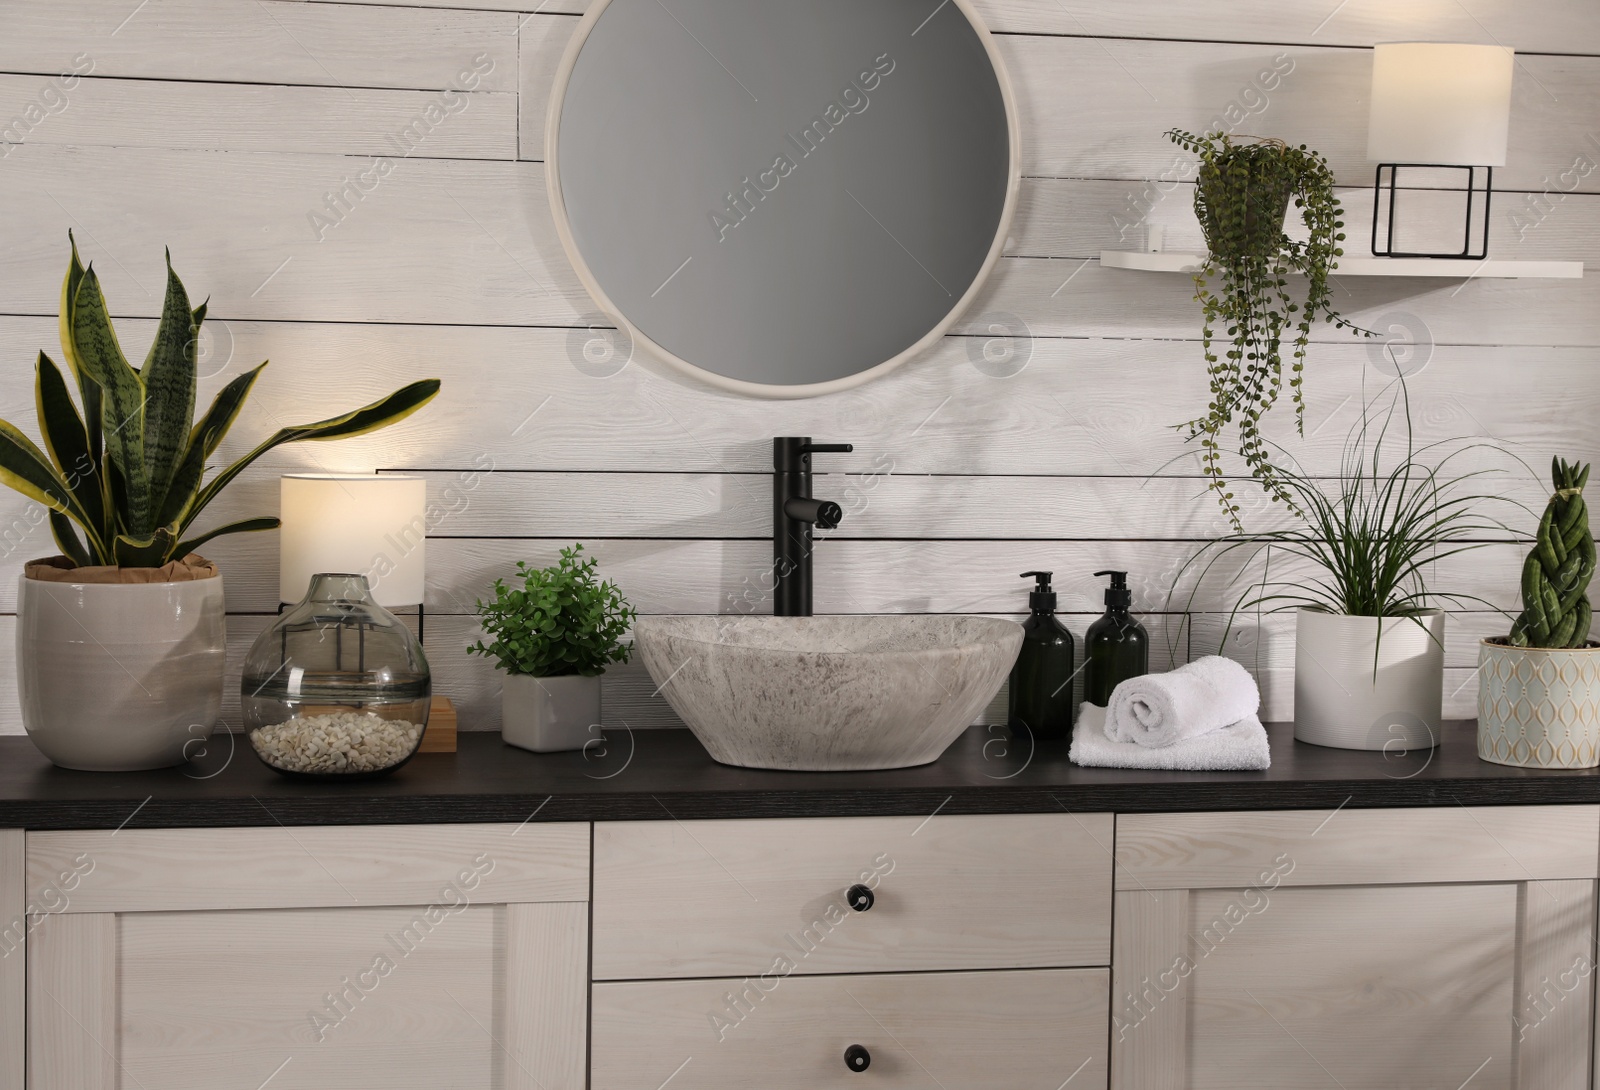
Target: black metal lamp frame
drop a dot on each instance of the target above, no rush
(1380, 190)
(422, 615)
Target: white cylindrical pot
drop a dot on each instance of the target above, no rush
(1539, 707)
(117, 677)
(1341, 700)
(549, 714)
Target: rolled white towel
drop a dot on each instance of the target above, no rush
(1160, 709)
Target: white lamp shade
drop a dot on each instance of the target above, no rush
(364, 525)
(1440, 104)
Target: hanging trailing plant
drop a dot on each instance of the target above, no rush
(1242, 196)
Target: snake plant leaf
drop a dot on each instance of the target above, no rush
(88, 392)
(68, 445)
(67, 539)
(27, 469)
(150, 551)
(243, 526)
(203, 441)
(380, 414)
(169, 377)
(123, 413)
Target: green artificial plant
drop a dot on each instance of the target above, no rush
(1364, 542)
(1555, 577)
(124, 479)
(562, 620)
(1243, 193)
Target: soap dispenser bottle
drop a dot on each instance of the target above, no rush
(1041, 680)
(1116, 647)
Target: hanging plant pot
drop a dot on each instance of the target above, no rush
(1258, 232)
(120, 669)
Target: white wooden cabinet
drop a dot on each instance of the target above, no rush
(381, 957)
(1381, 949)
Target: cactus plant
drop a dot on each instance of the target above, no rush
(1555, 577)
(128, 473)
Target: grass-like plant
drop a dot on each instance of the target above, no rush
(125, 479)
(1556, 574)
(561, 620)
(1363, 542)
(1242, 194)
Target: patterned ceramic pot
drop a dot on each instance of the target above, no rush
(1539, 707)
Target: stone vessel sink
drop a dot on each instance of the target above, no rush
(827, 694)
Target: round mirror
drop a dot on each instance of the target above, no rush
(782, 197)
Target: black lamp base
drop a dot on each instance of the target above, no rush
(1385, 196)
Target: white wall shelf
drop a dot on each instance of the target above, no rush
(1444, 268)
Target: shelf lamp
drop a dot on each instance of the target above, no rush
(372, 525)
(1437, 105)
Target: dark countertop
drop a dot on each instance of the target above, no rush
(665, 774)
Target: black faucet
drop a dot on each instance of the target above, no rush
(794, 513)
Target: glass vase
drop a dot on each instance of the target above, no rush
(338, 687)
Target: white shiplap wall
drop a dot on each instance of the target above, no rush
(219, 127)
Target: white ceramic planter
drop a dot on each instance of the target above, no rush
(1539, 707)
(549, 714)
(1339, 700)
(120, 677)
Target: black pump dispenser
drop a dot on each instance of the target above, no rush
(1118, 596)
(1042, 599)
(1040, 701)
(1116, 647)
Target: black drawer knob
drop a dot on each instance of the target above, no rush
(859, 897)
(857, 1058)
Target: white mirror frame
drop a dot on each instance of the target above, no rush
(558, 208)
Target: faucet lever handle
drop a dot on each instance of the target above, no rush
(827, 448)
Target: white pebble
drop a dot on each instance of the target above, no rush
(342, 742)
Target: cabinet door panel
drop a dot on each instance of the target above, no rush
(1363, 987)
(13, 960)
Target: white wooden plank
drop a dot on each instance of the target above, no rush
(342, 45)
(1463, 268)
(1077, 407)
(1150, 970)
(1368, 847)
(544, 1015)
(219, 117)
(72, 1003)
(1554, 997)
(472, 254)
(1559, 28)
(723, 898)
(13, 961)
(170, 870)
(365, 998)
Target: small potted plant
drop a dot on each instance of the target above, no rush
(1369, 630)
(120, 640)
(1539, 687)
(552, 637)
(1245, 187)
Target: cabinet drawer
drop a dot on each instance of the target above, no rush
(730, 898)
(998, 1030)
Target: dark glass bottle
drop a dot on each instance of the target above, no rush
(1116, 647)
(1041, 680)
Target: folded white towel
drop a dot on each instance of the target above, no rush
(1160, 709)
(1239, 747)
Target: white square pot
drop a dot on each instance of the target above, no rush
(1341, 701)
(549, 714)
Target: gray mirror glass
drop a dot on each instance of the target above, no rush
(783, 192)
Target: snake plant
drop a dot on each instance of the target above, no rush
(124, 479)
(1556, 574)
